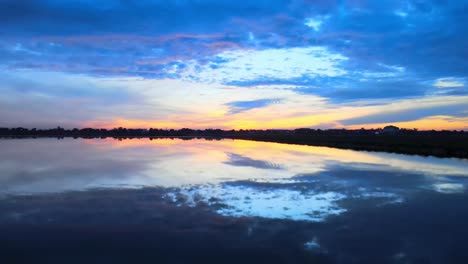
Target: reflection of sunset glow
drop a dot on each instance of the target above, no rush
(72, 164)
(132, 142)
(296, 158)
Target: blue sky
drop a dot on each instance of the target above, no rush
(231, 64)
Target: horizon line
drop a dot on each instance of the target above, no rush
(224, 129)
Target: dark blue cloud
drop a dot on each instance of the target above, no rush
(346, 89)
(350, 90)
(55, 17)
(240, 106)
(457, 110)
(429, 39)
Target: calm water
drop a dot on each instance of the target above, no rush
(227, 201)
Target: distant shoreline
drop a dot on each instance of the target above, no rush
(446, 144)
(343, 143)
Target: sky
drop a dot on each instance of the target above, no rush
(234, 64)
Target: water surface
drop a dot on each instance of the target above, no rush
(317, 199)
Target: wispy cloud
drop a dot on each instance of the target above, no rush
(449, 82)
(240, 106)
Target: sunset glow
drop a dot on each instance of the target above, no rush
(221, 64)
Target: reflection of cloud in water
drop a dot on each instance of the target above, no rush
(278, 203)
(312, 245)
(313, 197)
(449, 187)
(242, 161)
(294, 200)
(50, 165)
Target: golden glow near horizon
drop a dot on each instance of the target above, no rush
(200, 106)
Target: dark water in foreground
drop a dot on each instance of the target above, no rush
(199, 201)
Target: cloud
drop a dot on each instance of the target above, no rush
(243, 161)
(315, 22)
(80, 16)
(251, 65)
(408, 114)
(240, 106)
(449, 82)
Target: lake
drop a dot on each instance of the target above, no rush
(227, 201)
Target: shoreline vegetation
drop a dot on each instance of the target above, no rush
(452, 144)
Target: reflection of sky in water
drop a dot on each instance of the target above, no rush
(239, 177)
